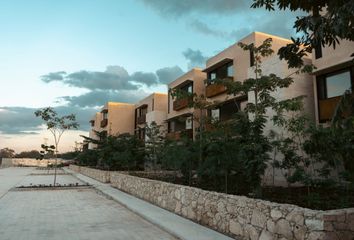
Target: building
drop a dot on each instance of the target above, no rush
(237, 64)
(117, 118)
(95, 123)
(150, 109)
(181, 118)
(333, 76)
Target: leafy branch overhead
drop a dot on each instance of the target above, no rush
(326, 23)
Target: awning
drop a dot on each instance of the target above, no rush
(218, 64)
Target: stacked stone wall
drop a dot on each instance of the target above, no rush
(239, 216)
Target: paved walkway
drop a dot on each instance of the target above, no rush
(76, 214)
(178, 226)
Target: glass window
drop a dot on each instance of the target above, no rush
(212, 75)
(189, 123)
(215, 114)
(337, 84)
(105, 115)
(230, 70)
(190, 88)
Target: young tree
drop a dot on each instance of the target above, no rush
(57, 125)
(154, 143)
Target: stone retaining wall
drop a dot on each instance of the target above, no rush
(29, 162)
(240, 216)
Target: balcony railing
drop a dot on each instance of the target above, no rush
(327, 108)
(215, 88)
(179, 104)
(104, 122)
(179, 134)
(141, 119)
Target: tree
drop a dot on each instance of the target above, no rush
(7, 153)
(154, 143)
(57, 125)
(28, 154)
(326, 23)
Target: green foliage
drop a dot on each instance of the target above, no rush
(154, 144)
(180, 155)
(326, 23)
(57, 125)
(87, 158)
(69, 155)
(28, 154)
(46, 152)
(7, 153)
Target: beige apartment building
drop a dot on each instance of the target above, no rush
(181, 118)
(333, 76)
(117, 118)
(95, 123)
(150, 109)
(236, 64)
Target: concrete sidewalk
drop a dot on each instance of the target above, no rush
(168, 221)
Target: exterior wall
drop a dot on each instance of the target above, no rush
(237, 216)
(28, 162)
(120, 118)
(331, 60)
(241, 58)
(99, 175)
(97, 127)
(156, 111)
(303, 84)
(197, 77)
(332, 57)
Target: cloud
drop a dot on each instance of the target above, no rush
(168, 74)
(203, 28)
(54, 76)
(113, 78)
(147, 78)
(178, 8)
(277, 23)
(18, 120)
(22, 121)
(195, 58)
(99, 98)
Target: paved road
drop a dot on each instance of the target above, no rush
(76, 214)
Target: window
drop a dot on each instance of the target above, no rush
(152, 105)
(105, 115)
(189, 123)
(251, 58)
(188, 88)
(334, 85)
(318, 51)
(215, 114)
(222, 72)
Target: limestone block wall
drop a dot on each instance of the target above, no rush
(237, 216)
(99, 175)
(28, 162)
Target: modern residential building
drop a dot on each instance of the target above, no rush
(150, 109)
(237, 64)
(117, 118)
(95, 127)
(182, 119)
(333, 76)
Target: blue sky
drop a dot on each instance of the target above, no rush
(116, 50)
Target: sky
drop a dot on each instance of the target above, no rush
(75, 55)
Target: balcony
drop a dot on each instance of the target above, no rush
(179, 104)
(214, 90)
(104, 122)
(141, 119)
(179, 134)
(327, 108)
